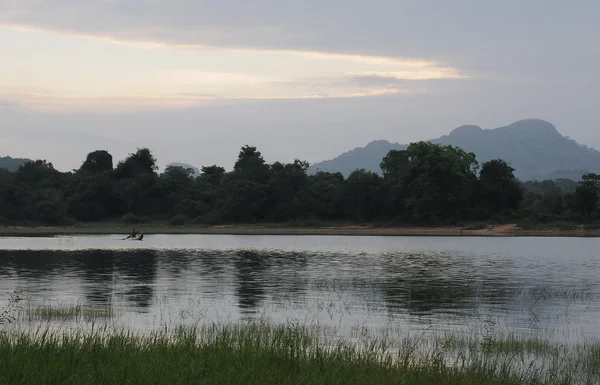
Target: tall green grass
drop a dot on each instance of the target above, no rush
(55, 344)
(254, 355)
(74, 313)
(265, 354)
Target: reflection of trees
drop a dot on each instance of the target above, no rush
(138, 268)
(250, 268)
(423, 283)
(426, 283)
(35, 264)
(176, 262)
(259, 274)
(97, 271)
(212, 263)
(35, 268)
(426, 294)
(414, 282)
(5, 268)
(288, 270)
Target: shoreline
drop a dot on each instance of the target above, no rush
(153, 229)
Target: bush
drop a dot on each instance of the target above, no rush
(528, 224)
(49, 212)
(132, 219)
(211, 219)
(178, 220)
(563, 225)
(308, 222)
(477, 226)
(67, 222)
(560, 225)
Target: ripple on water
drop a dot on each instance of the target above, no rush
(410, 283)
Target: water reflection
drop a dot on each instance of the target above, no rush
(342, 286)
(97, 271)
(46, 272)
(251, 269)
(138, 270)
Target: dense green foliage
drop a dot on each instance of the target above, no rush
(424, 184)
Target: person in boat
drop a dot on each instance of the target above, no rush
(133, 234)
(140, 236)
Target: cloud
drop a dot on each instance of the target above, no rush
(103, 75)
(56, 103)
(398, 28)
(234, 49)
(376, 81)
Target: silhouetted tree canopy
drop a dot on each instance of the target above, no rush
(98, 161)
(424, 184)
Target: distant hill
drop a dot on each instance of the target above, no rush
(533, 147)
(185, 166)
(12, 164)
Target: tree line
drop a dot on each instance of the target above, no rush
(425, 184)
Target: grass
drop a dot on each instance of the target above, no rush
(7, 314)
(250, 354)
(266, 353)
(478, 225)
(556, 225)
(68, 313)
(592, 226)
(260, 352)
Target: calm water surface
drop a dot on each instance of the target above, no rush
(548, 285)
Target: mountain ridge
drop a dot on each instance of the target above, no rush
(12, 164)
(185, 166)
(534, 147)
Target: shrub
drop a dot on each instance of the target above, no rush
(178, 220)
(133, 219)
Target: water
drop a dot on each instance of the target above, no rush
(348, 284)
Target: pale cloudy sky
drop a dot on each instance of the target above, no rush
(195, 80)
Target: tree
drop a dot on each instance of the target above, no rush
(7, 210)
(285, 198)
(177, 176)
(499, 190)
(430, 182)
(251, 166)
(142, 162)
(95, 197)
(423, 184)
(324, 194)
(98, 161)
(244, 201)
(176, 184)
(212, 175)
(362, 195)
(587, 194)
(35, 172)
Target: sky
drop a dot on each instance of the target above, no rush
(196, 80)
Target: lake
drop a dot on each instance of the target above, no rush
(352, 285)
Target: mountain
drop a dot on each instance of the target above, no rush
(185, 166)
(12, 164)
(533, 147)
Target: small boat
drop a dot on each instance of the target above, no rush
(136, 237)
